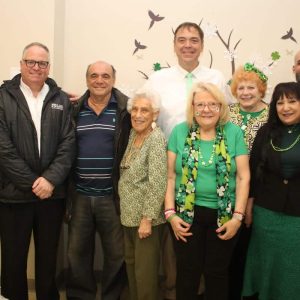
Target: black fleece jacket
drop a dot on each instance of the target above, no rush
(20, 161)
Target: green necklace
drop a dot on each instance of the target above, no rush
(278, 149)
(210, 160)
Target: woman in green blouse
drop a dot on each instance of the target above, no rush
(142, 188)
(248, 85)
(208, 182)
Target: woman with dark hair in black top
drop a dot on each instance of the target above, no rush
(273, 262)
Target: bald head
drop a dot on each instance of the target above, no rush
(296, 66)
(102, 63)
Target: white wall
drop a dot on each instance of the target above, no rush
(23, 22)
(79, 32)
(106, 30)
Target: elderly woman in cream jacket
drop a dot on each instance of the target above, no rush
(142, 188)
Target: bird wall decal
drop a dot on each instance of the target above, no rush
(289, 35)
(138, 46)
(154, 18)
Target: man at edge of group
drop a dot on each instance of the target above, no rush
(102, 131)
(37, 147)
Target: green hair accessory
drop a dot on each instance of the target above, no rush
(251, 68)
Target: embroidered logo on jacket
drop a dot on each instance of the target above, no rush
(57, 106)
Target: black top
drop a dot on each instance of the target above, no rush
(20, 161)
(275, 175)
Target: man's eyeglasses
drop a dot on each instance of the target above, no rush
(213, 106)
(31, 63)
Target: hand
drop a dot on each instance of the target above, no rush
(73, 97)
(229, 229)
(180, 228)
(42, 188)
(145, 228)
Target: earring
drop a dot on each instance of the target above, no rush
(153, 125)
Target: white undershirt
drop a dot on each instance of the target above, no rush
(35, 105)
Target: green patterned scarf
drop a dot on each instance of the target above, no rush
(185, 198)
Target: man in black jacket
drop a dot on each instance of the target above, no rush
(37, 147)
(102, 128)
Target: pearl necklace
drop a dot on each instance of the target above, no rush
(210, 160)
(278, 149)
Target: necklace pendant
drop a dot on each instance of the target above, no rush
(290, 131)
(203, 163)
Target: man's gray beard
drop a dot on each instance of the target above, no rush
(298, 77)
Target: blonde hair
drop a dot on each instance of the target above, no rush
(215, 92)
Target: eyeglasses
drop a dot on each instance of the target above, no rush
(31, 63)
(213, 106)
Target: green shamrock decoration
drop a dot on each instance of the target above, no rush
(275, 55)
(156, 66)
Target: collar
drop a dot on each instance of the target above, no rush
(42, 93)
(111, 100)
(184, 72)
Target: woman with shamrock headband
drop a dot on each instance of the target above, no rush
(248, 85)
(273, 261)
(208, 182)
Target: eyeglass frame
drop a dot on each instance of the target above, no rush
(36, 62)
(215, 108)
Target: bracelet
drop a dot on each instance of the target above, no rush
(167, 215)
(169, 209)
(240, 213)
(169, 212)
(171, 217)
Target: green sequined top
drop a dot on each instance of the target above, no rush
(248, 122)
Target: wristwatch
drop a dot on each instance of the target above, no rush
(237, 216)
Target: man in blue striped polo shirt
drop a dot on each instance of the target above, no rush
(102, 128)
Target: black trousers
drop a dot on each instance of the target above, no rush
(17, 222)
(238, 262)
(204, 253)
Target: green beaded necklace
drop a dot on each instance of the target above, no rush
(210, 160)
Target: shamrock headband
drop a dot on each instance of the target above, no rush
(251, 68)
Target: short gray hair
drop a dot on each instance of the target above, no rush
(148, 94)
(38, 45)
